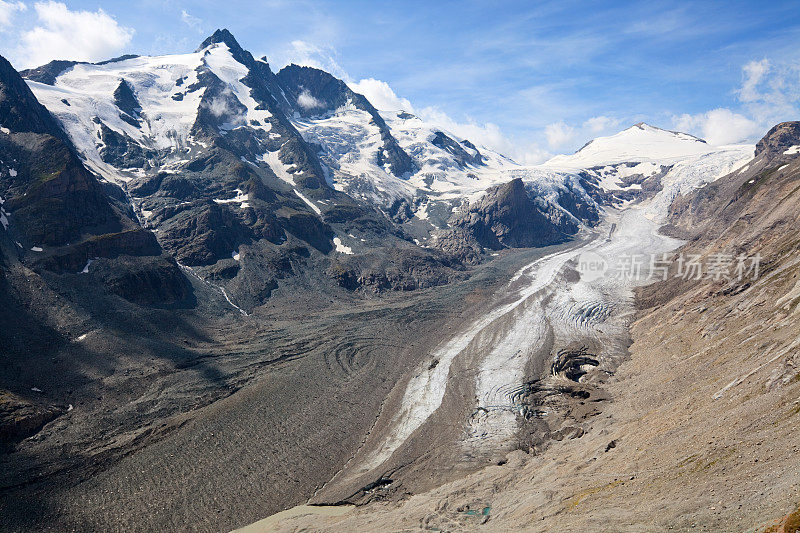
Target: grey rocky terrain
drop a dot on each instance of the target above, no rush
(696, 428)
(146, 286)
(226, 292)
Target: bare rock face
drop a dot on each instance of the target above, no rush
(60, 216)
(779, 140)
(150, 280)
(505, 217)
(20, 418)
(462, 157)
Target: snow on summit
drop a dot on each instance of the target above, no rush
(84, 94)
(164, 103)
(640, 142)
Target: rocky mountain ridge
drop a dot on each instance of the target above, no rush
(191, 247)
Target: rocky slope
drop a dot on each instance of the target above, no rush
(58, 221)
(239, 170)
(700, 431)
(200, 254)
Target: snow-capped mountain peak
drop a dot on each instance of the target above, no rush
(638, 143)
(305, 132)
(222, 36)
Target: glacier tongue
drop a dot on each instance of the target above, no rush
(550, 309)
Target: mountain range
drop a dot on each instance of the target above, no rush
(194, 245)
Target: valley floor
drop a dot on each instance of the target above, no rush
(290, 392)
(700, 432)
(700, 436)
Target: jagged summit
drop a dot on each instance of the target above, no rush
(223, 36)
(780, 141)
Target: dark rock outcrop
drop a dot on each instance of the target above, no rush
(20, 418)
(127, 102)
(462, 157)
(506, 217)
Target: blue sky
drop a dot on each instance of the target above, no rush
(529, 78)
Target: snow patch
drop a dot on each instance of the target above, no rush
(793, 150)
(341, 248)
(281, 171)
(311, 204)
(241, 198)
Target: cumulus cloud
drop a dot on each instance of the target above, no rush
(768, 94)
(309, 54)
(8, 10)
(559, 134)
(563, 137)
(380, 95)
(487, 134)
(600, 124)
(718, 126)
(76, 35)
(307, 101)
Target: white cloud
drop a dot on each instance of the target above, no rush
(225, 106)
(754, 73)
(191, 21)
(769, 94)
(563, 137)
(75, 35)
(718, 126)
(559, 134)
(307, 101)
(8, 10)
(380, 95)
